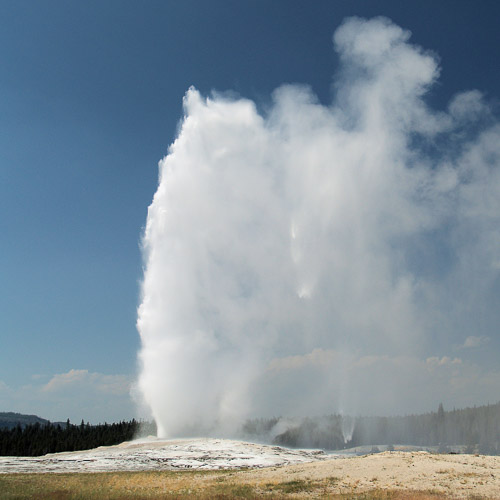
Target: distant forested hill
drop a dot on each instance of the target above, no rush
(9, 420)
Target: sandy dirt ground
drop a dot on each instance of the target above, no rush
(457, 476)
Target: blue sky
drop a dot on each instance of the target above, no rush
(90, 98)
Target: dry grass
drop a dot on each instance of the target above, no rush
(180, 485)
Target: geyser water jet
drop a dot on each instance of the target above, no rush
(348, 424)
(315, 258)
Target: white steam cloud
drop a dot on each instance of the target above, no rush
(310, 260)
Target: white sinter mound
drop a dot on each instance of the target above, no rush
(156, 454)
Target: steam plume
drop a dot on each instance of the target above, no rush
(320, 258)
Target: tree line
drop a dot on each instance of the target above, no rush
(475, 430)
(39, 439)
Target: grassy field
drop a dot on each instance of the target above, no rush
(179, 485)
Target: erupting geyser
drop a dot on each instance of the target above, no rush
(317, 257)
(348, 424)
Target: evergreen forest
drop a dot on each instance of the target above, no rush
(473, 430)
(37, 439)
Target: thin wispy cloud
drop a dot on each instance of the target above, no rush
(473, 341)
(73, 394)
(108, 384)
